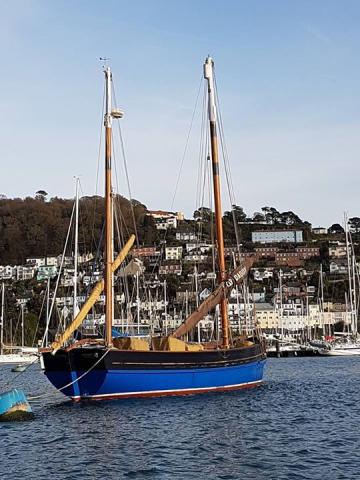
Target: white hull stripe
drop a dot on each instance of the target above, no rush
(176, 390)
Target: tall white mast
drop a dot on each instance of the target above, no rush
(2, 319)
(354, 295)
(47, 311)
(281, 304)
(165, 308)
(322, 299)
(137, 302)
(75, 306)
(349, 266)
(22, 326)
(197, 299)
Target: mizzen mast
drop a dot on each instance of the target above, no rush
(209, 76)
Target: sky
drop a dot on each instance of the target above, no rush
(288, 76)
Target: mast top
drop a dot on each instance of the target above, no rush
(208, 67)
(110, 112)
(209, 76)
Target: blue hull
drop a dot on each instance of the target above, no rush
(122, 383)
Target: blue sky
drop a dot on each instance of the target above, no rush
(288, 76)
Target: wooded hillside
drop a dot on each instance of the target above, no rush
(35, 227)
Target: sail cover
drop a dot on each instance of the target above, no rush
(222, 291)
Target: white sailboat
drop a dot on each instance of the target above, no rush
(349, 345)
(14, 354)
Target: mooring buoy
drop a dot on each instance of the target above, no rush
(14, 406)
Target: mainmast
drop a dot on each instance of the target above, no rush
(108, 212)
(110, 113)
(209, 76)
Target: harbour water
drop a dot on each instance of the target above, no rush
(302, 424)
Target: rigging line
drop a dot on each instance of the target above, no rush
(162, 248)
(202, 167)
(116, 198)
(93, 241)
(81, 217)
(201, 162)
(230, 185)
(128, 185)
(224, 150)
(202, 148)
(59, 275)
(212, 229)
(122, 145)
(38, 322)
(11, 381)
(186, 144)
(17, 324)
(124, 281)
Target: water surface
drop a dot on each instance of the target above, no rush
(302, 424)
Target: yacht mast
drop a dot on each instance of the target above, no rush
(22, 326)
(349, 265)
(2, 319)
(209, 76)
(165, 309)
(322, 300)
(108, 212)
(75, 306)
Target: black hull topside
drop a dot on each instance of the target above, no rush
(83, 358)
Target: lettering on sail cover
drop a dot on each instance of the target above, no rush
(230, 282)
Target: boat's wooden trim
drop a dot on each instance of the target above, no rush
(168, 393)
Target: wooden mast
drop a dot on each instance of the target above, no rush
(108, 213)
(209, 76)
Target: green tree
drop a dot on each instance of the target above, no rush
(202, 214)
(41, 195)
(336, 228)
(258, 217)
(354, 224)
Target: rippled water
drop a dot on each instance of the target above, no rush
(302, 424)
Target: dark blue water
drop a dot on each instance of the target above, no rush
(304, 423)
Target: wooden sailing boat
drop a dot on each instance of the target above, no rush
(111, 368)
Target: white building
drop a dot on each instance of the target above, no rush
(185, 236)
(260, 275)
(173, 253)
(24, 272)
(94, 277)
(294, 319)
(46, 271)
(7, 272)
(165, 220)
(319, 230)
(36, 261)
(202, 247)
(52, 261)
(337, 250)
(68, 260)
(277, 236)
(338, 267)
(196, 256)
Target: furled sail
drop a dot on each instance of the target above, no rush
(221, 292)
(94, 296)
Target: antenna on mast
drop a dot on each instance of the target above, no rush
(104, 61)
